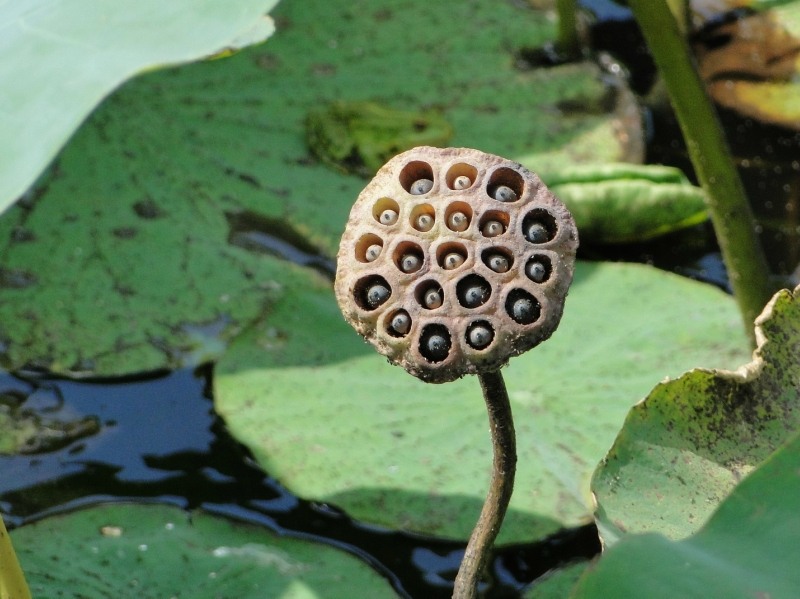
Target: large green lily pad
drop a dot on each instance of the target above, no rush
(747, 549)
(120, 260)
(59, 59)
(683, 449)
(157, 551)
(334, 422)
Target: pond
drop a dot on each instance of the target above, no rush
(169, 321)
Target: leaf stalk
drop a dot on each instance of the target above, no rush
(504, 463)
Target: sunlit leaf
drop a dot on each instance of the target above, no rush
(136, 251)
(334, 422)
(158, 551)
(59, 59)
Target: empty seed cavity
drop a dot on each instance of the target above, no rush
(473, 291)
(399, 324)
(480, 335)
(539, 226)
(435, 343)
(522, 307)
(371, 292)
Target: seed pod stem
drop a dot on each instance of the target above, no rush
(504, 465)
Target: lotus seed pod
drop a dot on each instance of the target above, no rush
(503, 193)
(452, 260)
(424, 222)
(421, 187)
(410, 263)
(388, 217)
(458, 221)
(373, 252)
(456, 299)
(492, 228)
(462, 182)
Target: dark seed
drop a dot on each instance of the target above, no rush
(537, 233)
(523, 310)
(505, 194)
(376, 295)
(438, 347)
(480, 336)
(401, 323)
(536, 271)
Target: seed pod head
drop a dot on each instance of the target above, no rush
(481, 258)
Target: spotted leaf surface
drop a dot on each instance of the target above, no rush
(684, 449)
(748, 548)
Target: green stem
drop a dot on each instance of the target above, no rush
(727, 203)
(568, 42)
(504, 447)
(12, 580)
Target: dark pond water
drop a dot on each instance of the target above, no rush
(159, 441)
